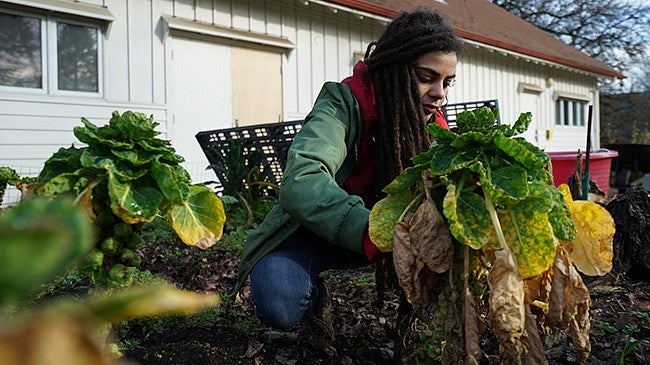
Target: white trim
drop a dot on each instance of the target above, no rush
(67, 7)
(53, 55)
(361, 14)
(44, 52)
(524, 87)
(49, 57)
(572, 96)
(81, 100)
(187, 25)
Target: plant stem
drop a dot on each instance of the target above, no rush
(495, 222)
(415, 200)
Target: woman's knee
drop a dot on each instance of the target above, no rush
(280, 308)
(280, 290)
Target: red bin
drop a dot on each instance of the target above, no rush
(600, 165)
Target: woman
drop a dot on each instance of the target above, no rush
(361, 133)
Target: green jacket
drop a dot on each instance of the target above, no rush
(320, 159)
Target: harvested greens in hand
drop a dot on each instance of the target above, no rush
(504, 231)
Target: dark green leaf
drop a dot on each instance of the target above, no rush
(98, 157)
(445, 159)
(93, 135)
(520, 152)
(134, 202)
(480, 119)
(472, 139)
(60, 184)
(505, 185)
(405, 180)
(521, 125)
(134, 126)
(441, 135)
(64, 161)
(135, 157)
(173, 182)
(423, 158)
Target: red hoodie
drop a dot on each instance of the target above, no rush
(360, 181)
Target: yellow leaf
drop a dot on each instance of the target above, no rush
(592, 250)
(384, 216)
(199, 221)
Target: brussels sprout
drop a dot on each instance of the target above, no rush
(123, 230)
(110, 245)
(129, 257)
(106, 219)
(95, 259)
(135, 242)
(117, 272)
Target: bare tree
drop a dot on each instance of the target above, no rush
(615, 32)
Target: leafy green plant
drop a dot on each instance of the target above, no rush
(41, 239)
(7, 176)
(605, 327)
(504, 230)
(629, 347)
(47, 235)
(367, 279)
(244, 186)
(125, 177)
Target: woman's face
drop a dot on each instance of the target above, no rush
(435, 72)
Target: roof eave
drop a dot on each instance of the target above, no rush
(604, 72)
(367, 7)
(360, 5)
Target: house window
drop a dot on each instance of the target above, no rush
(570, 112)
(40, 53)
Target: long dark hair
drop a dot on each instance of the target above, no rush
(399, 134)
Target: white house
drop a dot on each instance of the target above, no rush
(208, 64)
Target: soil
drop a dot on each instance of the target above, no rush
(365, 331)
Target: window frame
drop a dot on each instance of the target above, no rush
(49, 55)
(570, 112)
(31, 90)
(54, 81)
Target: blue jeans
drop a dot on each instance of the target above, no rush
(284, 283)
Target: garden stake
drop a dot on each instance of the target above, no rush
(586, 178)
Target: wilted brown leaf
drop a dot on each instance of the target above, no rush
(52, 339)
(431, 239)
(84, 201)
(414, 277)
(404, 260)
(569, 302)
(507, 311)
(470, 328)
(535, 348)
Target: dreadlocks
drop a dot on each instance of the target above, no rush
(400, 134)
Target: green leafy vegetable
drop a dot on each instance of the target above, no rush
(514, 232)
(126, 176)
(488, 175)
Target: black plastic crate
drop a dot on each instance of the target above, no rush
(271, 141)
(450, 111)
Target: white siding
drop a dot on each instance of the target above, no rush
(136, 73)
(485, 75)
